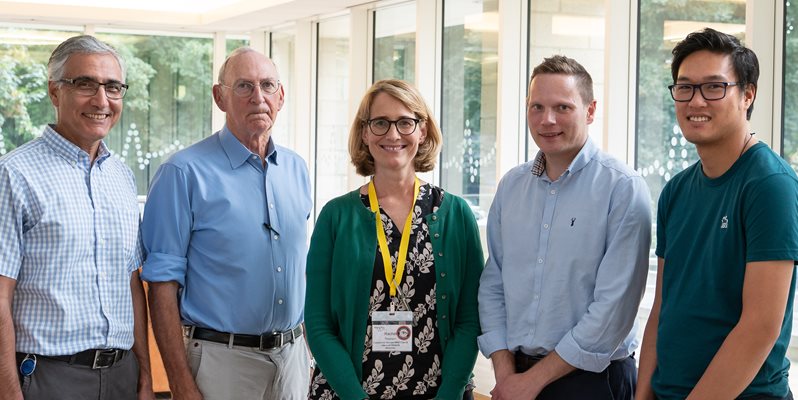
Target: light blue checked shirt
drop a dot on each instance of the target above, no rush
(231, 233)
(568, 261)
(70, 238)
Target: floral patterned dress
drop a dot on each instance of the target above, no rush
(408, 375)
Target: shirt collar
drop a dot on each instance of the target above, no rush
(580, 161)
(69, 151)
(237, 153)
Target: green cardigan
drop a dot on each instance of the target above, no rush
(339, 275)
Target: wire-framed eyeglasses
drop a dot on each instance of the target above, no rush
(85, 86)
(246, 88)
(405, 126)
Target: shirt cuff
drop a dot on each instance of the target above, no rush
(492, 342)
(570, 351)
(162, 267)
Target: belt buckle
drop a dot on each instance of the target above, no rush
(103, 359)
(278, 341)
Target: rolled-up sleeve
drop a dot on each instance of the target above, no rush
(166, 226)
(620, 281)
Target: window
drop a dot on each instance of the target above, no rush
(574, 28)
(168, 105)
(468, 116)
(282, 53)
(25, 108)
(790, 101)
(395, 42)
(662, 151)
(332, 110)
(234, 43)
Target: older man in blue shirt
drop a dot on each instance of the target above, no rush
(568, 238)
(225, 229)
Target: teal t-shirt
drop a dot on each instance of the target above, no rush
(707, 230)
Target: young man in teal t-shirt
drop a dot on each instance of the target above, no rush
(727, 241)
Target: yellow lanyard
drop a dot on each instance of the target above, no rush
(393, 280)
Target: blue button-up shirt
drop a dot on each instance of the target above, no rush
(232, 233)
(568, 261)
(69, 236)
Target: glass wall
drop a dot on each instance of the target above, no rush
(790, 94)
(574, 28)
(168, 105)
(395, 42)
(662, 151)
(332, 111)
(25, 107)
(282, 53)
(468, 115)
(232, 43)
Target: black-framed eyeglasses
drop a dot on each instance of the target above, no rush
(88, 87)
(405, 126)
(684, 92)
(246, 88)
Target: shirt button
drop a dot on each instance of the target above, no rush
(276, 237)
(545, 226)
(443, 297)
(443, 274)
(537, 297)
(279, 301)
(553, 191)
(540, 261)
(437, 235)
(444, 316)
(279, 269)
(434, 217)
(271, 205)
(440, 254)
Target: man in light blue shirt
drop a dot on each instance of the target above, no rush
(568, 242)
(70, 247)
(225, 229)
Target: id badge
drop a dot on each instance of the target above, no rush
(392, 331)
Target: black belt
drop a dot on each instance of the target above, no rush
(524, 361)
(94, 358)
(266, 341)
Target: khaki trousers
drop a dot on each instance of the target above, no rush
(224, 372)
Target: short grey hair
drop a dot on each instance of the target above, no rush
(238, 52)
(83, 44)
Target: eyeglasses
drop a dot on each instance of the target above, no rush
(684, 92)
(246, 88)
(380, 126)
(89, 87)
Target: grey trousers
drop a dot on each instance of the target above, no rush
(58, 380)
(224, 372)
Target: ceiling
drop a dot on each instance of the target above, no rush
(169, 15)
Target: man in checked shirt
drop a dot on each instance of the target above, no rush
(70, 248)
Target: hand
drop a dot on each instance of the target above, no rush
(515, 387)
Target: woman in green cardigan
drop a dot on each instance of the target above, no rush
(394, 266)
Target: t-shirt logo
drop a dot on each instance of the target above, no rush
(724, 222)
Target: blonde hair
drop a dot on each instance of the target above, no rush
(409, 96)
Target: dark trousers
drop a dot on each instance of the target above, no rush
(55, 379)
(616, 382)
